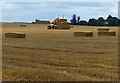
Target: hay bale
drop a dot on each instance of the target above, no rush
(63, 28)
(63, 25)
(41, 22)
(44, 22)
(83, 34)
(62, 20)
(103, 29)
(14, 35)
(110, 33)
(71, 26)
(22, 25)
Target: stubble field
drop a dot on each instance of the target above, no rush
(56, 55)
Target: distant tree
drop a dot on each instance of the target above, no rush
(78, 20)
(33, 22)
(109, 17)
(110, 21)
(118, 22)
(101, 21)
(106, 23)
(83, 22)
(113, 21)
(92, 22)
(73, 20)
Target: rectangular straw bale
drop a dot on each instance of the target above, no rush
(62, 20)
(83, 34)
(63, 25)
(22, 25)
(41, 22)
(71, 26)
(110, 33)
(14, 35)
(103, 29)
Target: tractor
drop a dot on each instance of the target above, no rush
(59, 24)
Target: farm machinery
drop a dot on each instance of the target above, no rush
(59, 24)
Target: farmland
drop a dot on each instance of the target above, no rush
(56, 55)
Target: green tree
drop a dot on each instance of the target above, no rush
(83, 22)
(113, 21)
(109, 17)
(101, 21)
(92, 22)
(78, 20)
(73, 20)
(119, 22)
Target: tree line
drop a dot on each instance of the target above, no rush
(110, 21)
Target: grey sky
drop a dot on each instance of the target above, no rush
(29, 11)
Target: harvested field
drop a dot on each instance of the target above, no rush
(56, 55)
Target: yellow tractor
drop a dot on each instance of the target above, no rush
(52, 24)
(59, 24)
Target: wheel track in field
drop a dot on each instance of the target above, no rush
(59, 50)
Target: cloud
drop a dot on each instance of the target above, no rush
(8, 5)
(119, 9)
(94, 11)
(29, 11)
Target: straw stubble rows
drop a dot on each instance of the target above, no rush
(56, 55)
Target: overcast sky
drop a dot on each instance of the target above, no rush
(29, 11)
